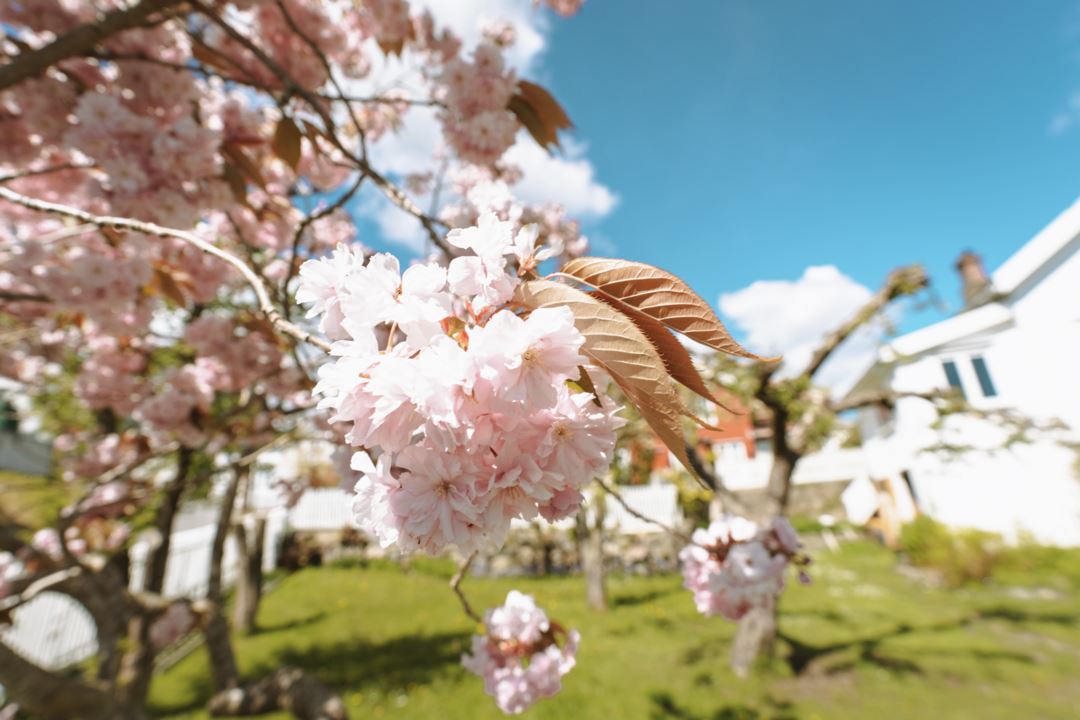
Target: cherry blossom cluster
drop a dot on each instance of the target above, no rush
(476, 123)
(566, 8)
(519, 655)
(480, 190)
(468, 403)
(733, 566)
(176, 621)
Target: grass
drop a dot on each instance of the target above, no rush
(31, 500)
(862, 641)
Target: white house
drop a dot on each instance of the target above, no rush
(1015, 346)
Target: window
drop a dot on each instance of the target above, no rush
(983, 374)
(952, 374)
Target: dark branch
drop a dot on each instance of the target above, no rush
(901, 282)
(80, 40)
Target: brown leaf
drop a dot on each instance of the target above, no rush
(530, 120)
(615, 344)
(165, 284)
(214, 58)
(585, 382)
(392, 47)
(236, 182)
(249, 168)
(660, 295)
(539, 112)
(113, 236)
(286, 142)
(676, 358)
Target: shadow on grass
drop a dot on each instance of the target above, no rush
(1016, 615)
(804, 657)
(290, 625)
(634, 599)
(354, 665)
(665, 707)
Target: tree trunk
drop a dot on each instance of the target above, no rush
(55, 696)
(288, 689)
(756, 636)
(137, 665)
(591, 553)
(223, 670)
(249, 578)
(779, 488)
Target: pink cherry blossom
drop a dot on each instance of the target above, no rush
(732, 567)
(519, 656)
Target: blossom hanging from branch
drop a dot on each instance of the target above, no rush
(733, 566)
(519, 656)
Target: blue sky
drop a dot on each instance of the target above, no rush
(748, 140)
(783, 155)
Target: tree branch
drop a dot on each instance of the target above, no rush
(901, 282)
(730, 500)
(53, 695)
(887, 398)
(644, 518)
(80, 40)
(392, 191)
(262, 295)
(455, 585)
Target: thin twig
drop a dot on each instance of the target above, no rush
(9, 296)
(392, 191)
(310, 218)
(644, 518)
(455, 585)
(37, 587)
(34, 172)
(266, 306)
(81, 39)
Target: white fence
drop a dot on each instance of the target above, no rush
(52, 630)
(55, 631)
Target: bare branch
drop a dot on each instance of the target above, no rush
(8, 296)
(80, 40)
(610, 490)
(888, 399)
(392, 191)
(34, 172)
(455, 585)
(52, 695)
(310, 218)
(901, 282)
(36, 587)
(730, 500)
(266, 306)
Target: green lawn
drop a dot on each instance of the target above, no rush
(866, 641)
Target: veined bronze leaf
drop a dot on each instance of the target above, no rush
(676, 358)
(660, 295)
(286, 141)
(615, 343)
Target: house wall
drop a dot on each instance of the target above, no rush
(976, 477)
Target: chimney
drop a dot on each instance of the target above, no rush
(974, 279)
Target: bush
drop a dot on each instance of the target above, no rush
(961, 556)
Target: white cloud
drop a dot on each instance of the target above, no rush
(1068, 117)
(790, 318)
(467, 18)
(566, 178)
